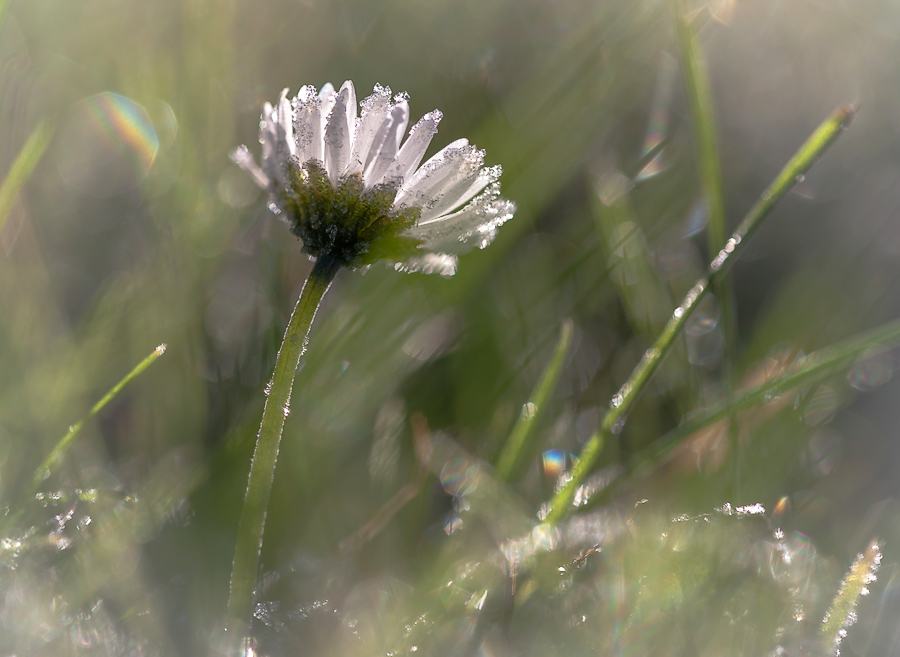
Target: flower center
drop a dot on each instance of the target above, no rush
(344, 221)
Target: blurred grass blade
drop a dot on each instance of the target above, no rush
(649, 156)
(622, 401)
(697, 89)
(376, 524)
(805, 371)
(519, 440)
(842, 613)
(55, 456)
(25, 162)
(4, 7)
(628, 257)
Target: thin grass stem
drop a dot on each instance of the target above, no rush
(697, 89)
(58, 452)
(804, 372)
(519, 440)
(265, 456)
(842, 613)
(25, 161)
(624, 399)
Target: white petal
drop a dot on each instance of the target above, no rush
(473, 226)
(285, 127)
(414, 147)
(460, 194)
(267, 131)
(375, 110)
(430, 263)
(382, 158)
(351, 111)
(268, 137)
(450, 167)
(307, 124)
(337, 136)
(241, 156)
(327, 98)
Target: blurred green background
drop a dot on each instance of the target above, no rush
(135, 229)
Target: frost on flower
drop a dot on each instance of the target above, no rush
(353, 190)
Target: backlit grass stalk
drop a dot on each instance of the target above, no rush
(804, 372)
(842, 613)
(623, 400)
(695, 76)
(262, 467)
(519, 440)
(56, 455)
(25, 161)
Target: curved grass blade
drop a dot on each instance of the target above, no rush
(623, 400)
(519, 440)
(805, 371)
(25, 162)
(56, 455)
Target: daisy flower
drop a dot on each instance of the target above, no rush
(354, 192)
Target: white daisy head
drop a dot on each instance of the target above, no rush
(353, 191)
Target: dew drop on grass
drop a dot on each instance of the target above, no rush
(874, 368)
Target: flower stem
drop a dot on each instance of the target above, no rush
(262, 468)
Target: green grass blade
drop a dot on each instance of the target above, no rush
(805, 371)
(519, 440)
(25, 161)
(697, 89)
(55, 457)
(622, 401)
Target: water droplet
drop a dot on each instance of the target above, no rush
(822, 407)
(554, 463)
(874, 368)
(528, 410)
(459, 477)
(824, 451)
(453, 523)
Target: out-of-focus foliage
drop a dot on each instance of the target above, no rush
(134, 229)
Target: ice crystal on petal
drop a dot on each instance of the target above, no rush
(353, 190)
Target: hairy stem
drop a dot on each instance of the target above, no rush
(262, 468)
